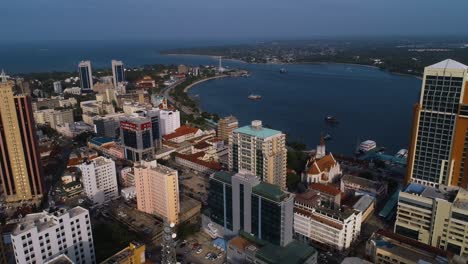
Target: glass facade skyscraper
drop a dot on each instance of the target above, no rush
(440, 129)
(118, 72)
(86, 76)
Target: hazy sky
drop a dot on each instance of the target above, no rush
(26, 20)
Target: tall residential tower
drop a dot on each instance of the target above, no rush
(118, 72)
(86, 76)
(20, 168)
(439, 141)
(260, 151)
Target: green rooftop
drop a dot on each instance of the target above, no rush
(269, 191)
(294, 253)
(223, 176)
(260, 132)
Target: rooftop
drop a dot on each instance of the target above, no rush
(294, 252)
(60, 259)
(323, 164)
(99, 141)
(364, 202)
(269, 191)
(181, 131)
(448, 64)
(362, 182)
(223, 176)
(325, 189)
(461, 200)
(257, 131)
(431, 192)
(408, 248)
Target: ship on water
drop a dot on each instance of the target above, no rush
(255, 97)
(283, 70)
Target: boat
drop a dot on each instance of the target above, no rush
(327, 137)
(255, 97)
(331, 119)
(283, 70)
(367, 146)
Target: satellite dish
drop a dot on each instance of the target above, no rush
(174, 235)
(172, 225)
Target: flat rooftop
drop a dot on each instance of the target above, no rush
(257, 132)
(223, 176)
(431, 192)
(270, 191)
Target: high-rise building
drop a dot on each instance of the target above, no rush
(86, 76)
(108, 125)
(226, 126)
(118, 72)
(99, 179)
(20, 168)
(259, 150)
(157, 190)
(41, 237)
(439, 141)
(58, 87)
(137, 138)
(243, 202)
(169, 121)
(436, 216)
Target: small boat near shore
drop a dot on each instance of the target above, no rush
(283, 70)
(255, 97)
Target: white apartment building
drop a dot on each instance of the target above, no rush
(41, 237)
(99, 179)
(259, 150)
(336, 229)
(169, 121)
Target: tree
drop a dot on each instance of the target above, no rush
(292, 181)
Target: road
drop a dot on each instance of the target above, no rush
(167, 93)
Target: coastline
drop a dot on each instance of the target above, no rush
(204, 80)
(297, 63)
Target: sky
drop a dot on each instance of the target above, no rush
(28, 20)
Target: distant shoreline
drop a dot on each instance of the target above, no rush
(295, 63)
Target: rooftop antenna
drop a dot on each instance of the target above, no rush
(3, 77)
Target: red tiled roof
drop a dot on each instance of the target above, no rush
(323, 164)
(202, 145)
(325, 188)
(181, 131)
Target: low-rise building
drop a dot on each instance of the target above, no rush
(334, 228)
(199, 162)
(366, 205)
(387, 247)
(40, 237)
(321, 167)
(248, 249)
(355, 185)
(133, 254)
(74, 129)
(182, 134)
(128, 193)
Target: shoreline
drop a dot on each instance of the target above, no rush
(190, 86)
(296, 63)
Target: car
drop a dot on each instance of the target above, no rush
(199, 250)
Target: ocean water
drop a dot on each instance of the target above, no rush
(368, 103)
